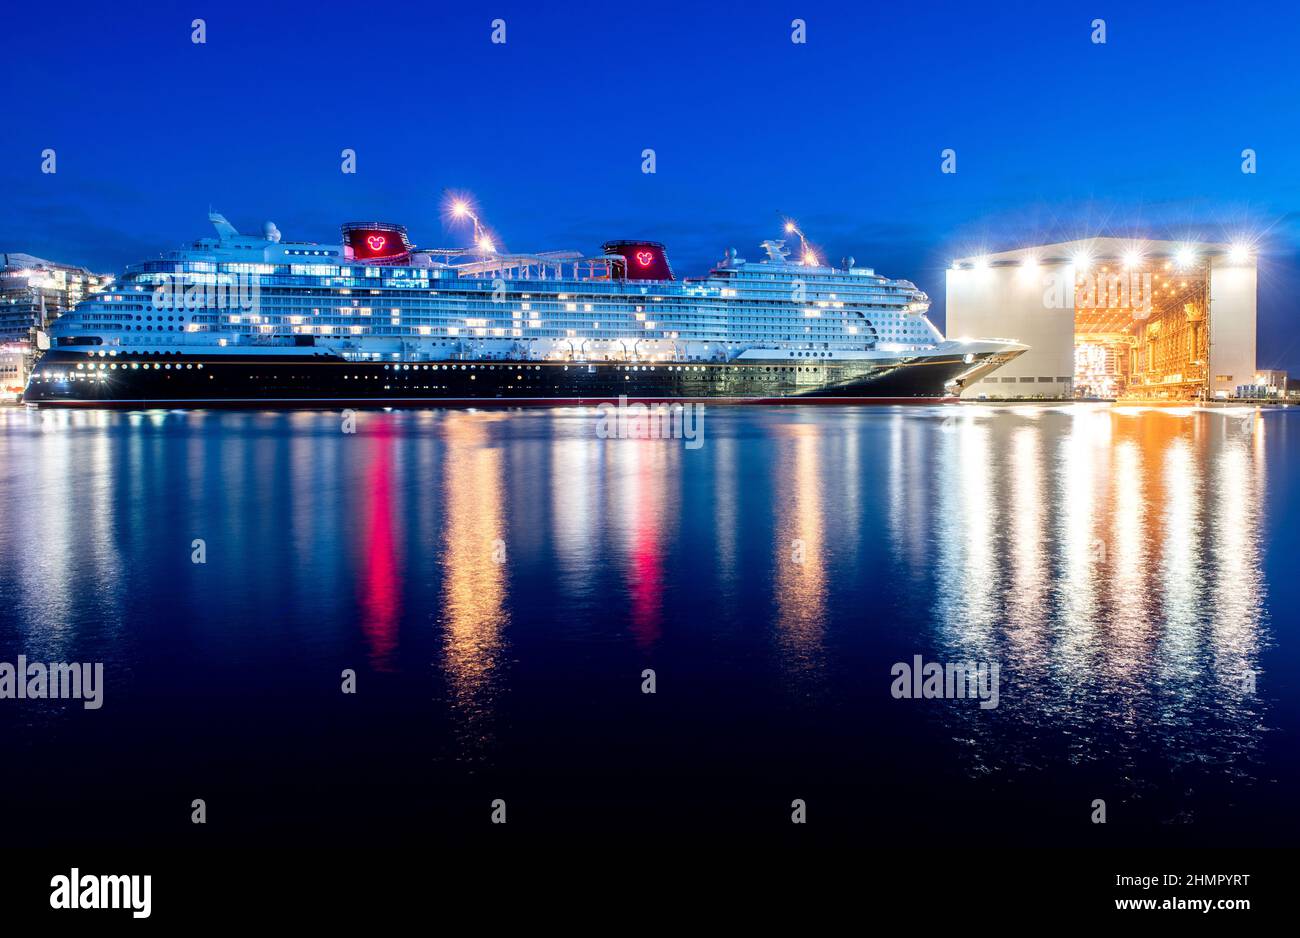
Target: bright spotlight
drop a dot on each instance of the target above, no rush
(810, 259)
(459, 209)
(1132, 259)
(789, 227)
(1082, 261)
(485, 244)
(1185, 257)
(981, 263)
(1239, 253)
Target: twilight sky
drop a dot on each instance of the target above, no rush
(1056, 137)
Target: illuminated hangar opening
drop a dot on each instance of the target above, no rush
(1112, 319)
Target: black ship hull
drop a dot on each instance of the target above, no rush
(88, 379)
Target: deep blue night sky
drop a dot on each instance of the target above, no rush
(1055, 137)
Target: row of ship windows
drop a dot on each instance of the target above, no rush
(138, 312)
(160, 366)
(195, 294)
(113, 366)
(493, 310)
(534, 331)
(765, 334)
(561, 330)
(458, 317)
(591, 367)
(560, 327)
(150, 343)
(317, 274)
(433, 297)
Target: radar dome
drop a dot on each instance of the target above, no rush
(271, 232)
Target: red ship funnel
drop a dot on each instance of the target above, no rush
(376, 241)
(645, 260)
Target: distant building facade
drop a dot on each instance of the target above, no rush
(34, 292)
(15, 360)
(1272, 378)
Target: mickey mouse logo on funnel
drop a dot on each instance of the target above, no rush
(376, 240)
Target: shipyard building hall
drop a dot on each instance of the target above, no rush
(1112, 319)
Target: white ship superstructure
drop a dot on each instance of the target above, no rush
(243, 293)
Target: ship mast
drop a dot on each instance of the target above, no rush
(807, 255)
(461, 208)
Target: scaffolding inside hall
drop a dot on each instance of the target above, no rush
(1142, 332)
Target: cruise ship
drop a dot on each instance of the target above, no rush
(238, 319)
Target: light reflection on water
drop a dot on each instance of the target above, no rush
(642, 500)
(1111, 560)
(1123, 584)
(800, 547)
(474, 559)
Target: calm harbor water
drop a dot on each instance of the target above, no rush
(499, 581)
